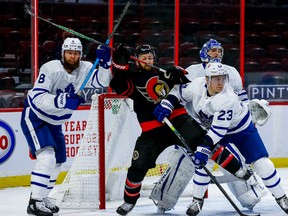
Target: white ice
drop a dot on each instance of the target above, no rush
(13, 202)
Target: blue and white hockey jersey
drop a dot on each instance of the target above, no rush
(53, 79)
(220, 114)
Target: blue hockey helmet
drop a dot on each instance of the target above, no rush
(212, 43)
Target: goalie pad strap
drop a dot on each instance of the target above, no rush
(227, 160)
(217, 153)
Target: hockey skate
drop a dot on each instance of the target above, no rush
(50, 205)
(283, 203)
(125, 208)
(38, 208)
(195, 207)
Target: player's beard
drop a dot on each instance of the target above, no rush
(71, 67)
(144, 68)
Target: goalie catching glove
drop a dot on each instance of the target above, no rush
(260, 111)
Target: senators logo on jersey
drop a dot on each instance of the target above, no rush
(155, 90)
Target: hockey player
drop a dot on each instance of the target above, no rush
(212, 51)
(49, 104)
(248, 193)
(146, 86)
(215, 106)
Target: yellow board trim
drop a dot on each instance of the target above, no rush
(24, 180)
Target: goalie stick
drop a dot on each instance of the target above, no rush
(206, 170)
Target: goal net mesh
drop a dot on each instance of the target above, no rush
(113, 117)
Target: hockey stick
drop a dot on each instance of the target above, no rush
(27, 10)
(91, 39)
(185, 144)
(151, 65)
(106, 43)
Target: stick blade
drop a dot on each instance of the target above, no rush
(27, 9)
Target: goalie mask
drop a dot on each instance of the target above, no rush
(72, 44)
(144, 49)
(208, 46)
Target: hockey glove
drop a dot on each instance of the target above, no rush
(121, 57)
(260, 111)
(64, 100)
(201, 155)
(163, 110)
(176, 74)
(104, 55)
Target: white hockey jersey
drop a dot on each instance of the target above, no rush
(220, 114)
(53, 79)
(198, 70)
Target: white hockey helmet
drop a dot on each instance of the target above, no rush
(215, 69)
(72, 44)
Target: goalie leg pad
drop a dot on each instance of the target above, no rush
(248, 195)
(173, 182)
(248, 192)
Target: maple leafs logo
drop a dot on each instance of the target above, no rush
(69, 89)
(205, 119)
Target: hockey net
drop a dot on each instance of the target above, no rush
(98, 172)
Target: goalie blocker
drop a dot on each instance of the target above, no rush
(177, 176)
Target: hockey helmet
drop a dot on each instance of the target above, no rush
(72, 44)
(215, 69)
(144, 49)
(212, 43)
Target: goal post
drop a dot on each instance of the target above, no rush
(98, 171)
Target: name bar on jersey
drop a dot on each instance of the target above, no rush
(268, 92)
